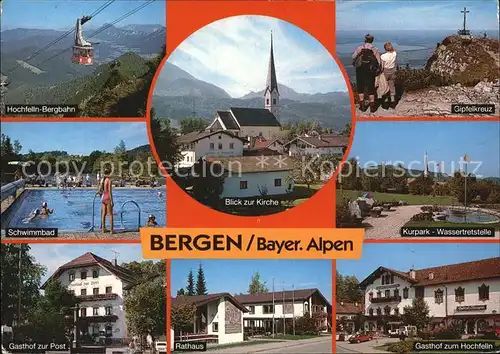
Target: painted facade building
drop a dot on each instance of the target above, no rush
(198, 145)
(100, 286)
(465, 294)
(320, 145)
(262, 310)
(218, 318)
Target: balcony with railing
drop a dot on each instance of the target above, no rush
(97, 297)
(378, 300)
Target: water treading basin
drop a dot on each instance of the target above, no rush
(73, 209)
(475, 217)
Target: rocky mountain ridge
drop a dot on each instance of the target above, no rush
(460, 71)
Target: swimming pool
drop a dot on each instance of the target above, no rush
(73, 209)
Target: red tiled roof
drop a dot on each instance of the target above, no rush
(348, 308)
(288, 295)
(324, 141)
(200, 300)
(486, 268)
(475, 270)
(89, 259)
(262, 143)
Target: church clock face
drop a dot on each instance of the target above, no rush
(259, 116)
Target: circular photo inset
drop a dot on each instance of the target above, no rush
(250, 115)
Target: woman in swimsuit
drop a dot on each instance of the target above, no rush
(106, 201)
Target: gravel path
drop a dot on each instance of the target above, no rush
(390, 222)
(388, 226)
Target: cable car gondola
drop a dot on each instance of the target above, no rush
(83, 52)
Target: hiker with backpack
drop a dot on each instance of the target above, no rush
(366, 60)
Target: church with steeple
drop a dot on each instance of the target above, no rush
(271, 94)
(248, 123)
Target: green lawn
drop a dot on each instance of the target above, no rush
(296, 337)
(390, 197)
(239, 344)
(301, 193)
(496, 225)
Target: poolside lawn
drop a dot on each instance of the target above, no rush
(391, 197)
(424, 224)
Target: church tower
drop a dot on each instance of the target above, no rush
(271, 94)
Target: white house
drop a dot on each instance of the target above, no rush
(254, 122)
(99, 285)
(259, 144)
(346, 313)
(218, 318)
(465, 294)
(255, 176)
(265, 307)
(320, 145)
(197, 145)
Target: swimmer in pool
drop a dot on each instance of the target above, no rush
(45, 210)
(159, 194)
(151, 221)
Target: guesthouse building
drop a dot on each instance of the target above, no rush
(465, 295)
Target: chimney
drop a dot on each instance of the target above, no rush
(115, 261)
(431, 275)
(412, 273)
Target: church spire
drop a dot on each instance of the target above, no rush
(271, 94)
(272, 82)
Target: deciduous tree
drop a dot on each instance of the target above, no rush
(256, 286)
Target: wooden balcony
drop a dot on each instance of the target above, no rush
(378, 300)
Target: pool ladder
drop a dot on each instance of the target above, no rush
(92, 229)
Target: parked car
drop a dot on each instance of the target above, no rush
(407, 331)
(360, 338)
(161, 346)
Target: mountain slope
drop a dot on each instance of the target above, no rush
(175, 82)
(119, 88)
(460, 71)
(177, 94)
(54, 63)
(290, 94)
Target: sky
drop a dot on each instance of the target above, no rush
(76, 138)
(403, 257)
(416, 15)
(62, 14)
(233, 54)
(233, 276)
(448, 142)
(55, 255)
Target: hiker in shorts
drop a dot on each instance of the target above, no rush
(366, 60)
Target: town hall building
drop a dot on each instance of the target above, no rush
(464, 294)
